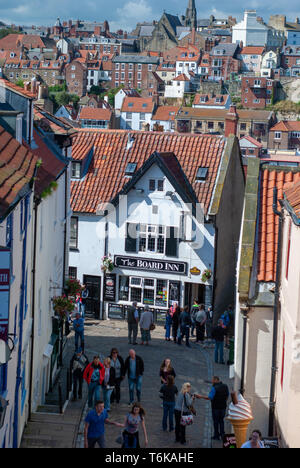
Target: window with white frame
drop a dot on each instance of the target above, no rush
(152, 238)
(277, 135)
(76, 170)
(156, 184)
(147, 291)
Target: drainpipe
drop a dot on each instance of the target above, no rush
(244, 311)
(276, 315)
(33, 307)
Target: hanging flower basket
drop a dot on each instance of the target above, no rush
(107, 264)
(62, 306)
(206, 275)
(73, 287)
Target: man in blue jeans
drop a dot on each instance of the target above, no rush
(218, 396)
(94, 431)
(134, 367)
(78, 327)
(218, 334)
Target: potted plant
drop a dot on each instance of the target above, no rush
(107, 264)
(62, 306)
(206, 275)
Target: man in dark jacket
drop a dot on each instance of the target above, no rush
(218, 396)
(185, 323)
(134, 368)
(132, 321)
(78, 363)
(117, 363)
(218, 334)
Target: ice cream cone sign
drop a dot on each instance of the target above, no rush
(240, 416)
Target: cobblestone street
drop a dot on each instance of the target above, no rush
(194, 365)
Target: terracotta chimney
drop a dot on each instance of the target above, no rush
(231, 121)
(193, 38)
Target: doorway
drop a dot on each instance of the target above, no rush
(193, 291)
(93, 284)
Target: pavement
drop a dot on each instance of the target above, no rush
(195, 365)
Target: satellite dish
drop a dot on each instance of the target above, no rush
(5, 352)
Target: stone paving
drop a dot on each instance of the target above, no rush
(194, 365)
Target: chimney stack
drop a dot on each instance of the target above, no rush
(231, 121)
(193, 39)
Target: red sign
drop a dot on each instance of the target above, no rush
(4, 277)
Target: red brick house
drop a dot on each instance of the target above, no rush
(134, 71)
(258, 92)
(285, 135)
(76, 77)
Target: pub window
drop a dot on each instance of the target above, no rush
(152, 238)
(74, 233)
(161, 299)
(124, 288)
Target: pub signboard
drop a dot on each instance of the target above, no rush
(110, 287)
(150, 265)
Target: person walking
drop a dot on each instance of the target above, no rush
(166, 369)
(94, 375)
(108, 383)
(84, 296)
(200, 319)
(117, 362)
(78, 327)
(209, 323)
(146, 323)
(134, 368)
(168, 325)
(218, 396)
(94, 431)
(218, 333)
(78, 363)
(133, 420)
(183, 404)
(193, 312)
(185, 323)
(175, 324)
(255, 441)
(133, 323)
(168, 391)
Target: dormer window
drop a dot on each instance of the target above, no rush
(76, 170)
(201, 175)
(130, 169)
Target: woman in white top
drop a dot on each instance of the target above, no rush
(255, 441)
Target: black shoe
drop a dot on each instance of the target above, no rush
(215, 438)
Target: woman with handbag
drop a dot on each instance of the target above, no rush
(146, 324)
(183, 412)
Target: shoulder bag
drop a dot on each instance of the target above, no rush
(187, 418)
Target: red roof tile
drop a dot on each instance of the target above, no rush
(181, 77)
(137, 104)
(17, 165)
(286, 126)
(95, 113)
(249, 50)
(292, 194)
(17, 89)
(106, 175)
(268, 221)
(166, 113)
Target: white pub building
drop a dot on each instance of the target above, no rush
(153, 205)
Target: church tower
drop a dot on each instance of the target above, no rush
(191, 15)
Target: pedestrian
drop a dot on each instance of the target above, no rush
(218, 396)
(94, 431)
(168, 391)
(132, 423)
(78, 363)
(173, 308)
(200, 319)
(166, 369)
(132, 322)
(146, 323)
(218, 333)
(117, 362)
(84, 297)
(185, 323)
(175, 323)
(209, 323)
(108, 383)
(78, 327)
(134, 368)
(225, 317)
(255, 441)
(183, 405)
(168, 325)
(94, 375)
(193, 312)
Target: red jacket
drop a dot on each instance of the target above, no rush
(88, 372)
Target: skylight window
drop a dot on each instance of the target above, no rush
(201, 175)
(145, 104)
(130, 169)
